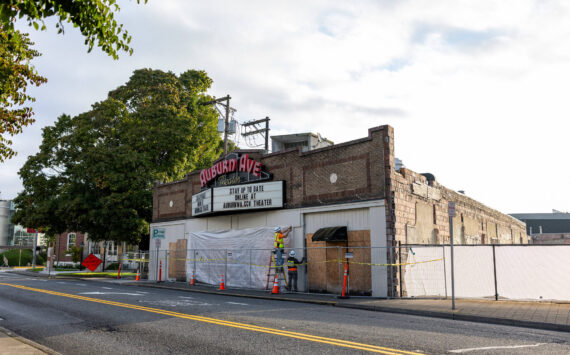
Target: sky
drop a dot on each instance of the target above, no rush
(476, 90)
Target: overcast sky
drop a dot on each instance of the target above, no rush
(477, 91)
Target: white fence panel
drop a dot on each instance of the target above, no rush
(533, 272)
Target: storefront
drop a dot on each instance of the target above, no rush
(206, 222)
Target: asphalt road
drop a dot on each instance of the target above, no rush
(94, 317)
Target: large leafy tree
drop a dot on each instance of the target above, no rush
(15, 75)
(94, 18)
(95, 171)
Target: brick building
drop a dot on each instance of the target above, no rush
(64, 242)
(353, 184)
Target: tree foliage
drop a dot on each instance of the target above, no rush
(95, 171)
(15, 75)
(94, 18)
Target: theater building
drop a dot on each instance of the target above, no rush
(311, 184)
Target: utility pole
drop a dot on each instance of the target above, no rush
(34, 250)
(451, 212)
(264, 132)
(226, 118)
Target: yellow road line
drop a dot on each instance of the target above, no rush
(296, 335)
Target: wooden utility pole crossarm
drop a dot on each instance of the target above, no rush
(227, 118)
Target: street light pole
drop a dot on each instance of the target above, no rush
(34, 249)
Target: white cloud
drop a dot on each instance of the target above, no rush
(475, 90)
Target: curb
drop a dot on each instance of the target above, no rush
(461, 317)
(29, 342)
(414, 312)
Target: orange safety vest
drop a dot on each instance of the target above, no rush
(291, 265)
(279, 240)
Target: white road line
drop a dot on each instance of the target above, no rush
(496, 347)
(241, 304)
(61, 282)
(81, 285)
(107, 288)
(186, 297)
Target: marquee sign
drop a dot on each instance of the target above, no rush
(202, 202)
(235, 169)
(248, 197)
(263, 195)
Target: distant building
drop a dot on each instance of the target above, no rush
(547, 228)
(303, 141)
(6, 227)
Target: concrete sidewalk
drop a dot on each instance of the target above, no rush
(538, 315)
(11, 344)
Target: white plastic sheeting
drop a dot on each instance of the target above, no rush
(422, 275)
(241, 255)
(534, 272)
(537, 272)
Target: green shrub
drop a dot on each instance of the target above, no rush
(113, 266)
(65, 266)
(13, 257)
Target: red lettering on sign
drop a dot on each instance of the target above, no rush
(232, 164)
(250, 163)
(257, 169)
(243, 162)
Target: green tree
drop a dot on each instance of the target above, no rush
(94, 18)
(15, 75)
(95, 171)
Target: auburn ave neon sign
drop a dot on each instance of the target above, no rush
(240, 164)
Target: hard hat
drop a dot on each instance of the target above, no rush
(292, 253)
(277, 229)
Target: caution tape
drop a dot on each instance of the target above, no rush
(339, 261)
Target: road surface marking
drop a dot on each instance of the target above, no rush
(110, 293)
(176, 303)
(81, 285)
(240, 304)
(496, 347)
(251, 327)
(107, 288)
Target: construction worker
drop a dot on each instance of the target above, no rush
(279, 247)
(292, 266)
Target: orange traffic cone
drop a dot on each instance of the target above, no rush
(275, 285)
(222, 285)
(192, 280)
(138, 275)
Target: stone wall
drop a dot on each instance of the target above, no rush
(421, 210)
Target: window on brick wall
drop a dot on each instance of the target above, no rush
(434, 215)
(71, 238)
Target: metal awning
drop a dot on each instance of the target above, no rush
(331, 234)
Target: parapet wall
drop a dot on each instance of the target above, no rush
(347, 172)
(421, 215)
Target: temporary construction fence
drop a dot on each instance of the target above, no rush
(522, 272)
(129, 262)
(320, 271)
